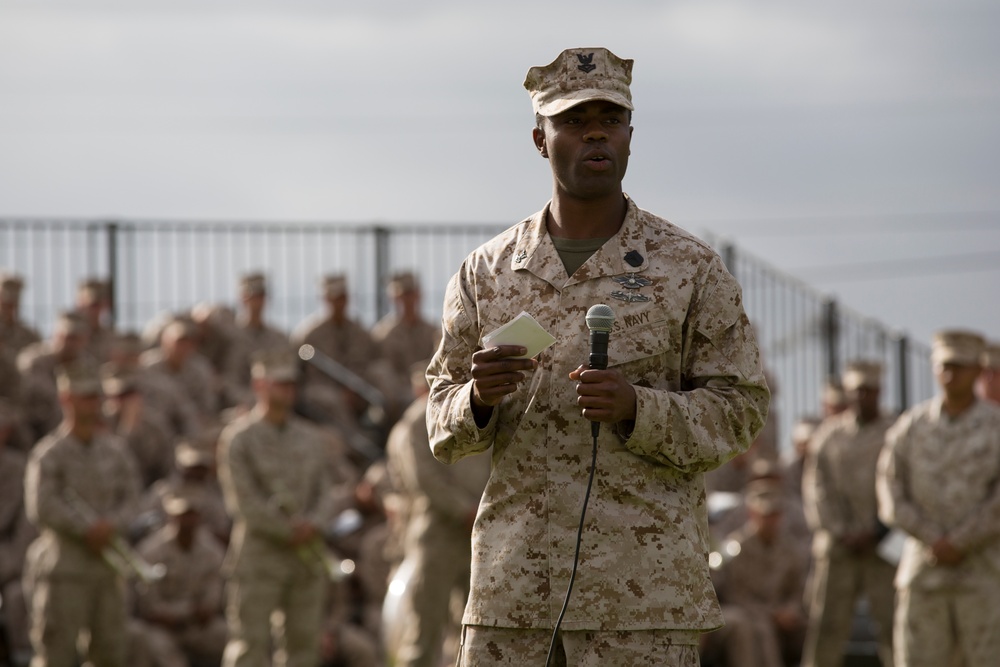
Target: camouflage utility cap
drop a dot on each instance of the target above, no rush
(862, 374)
(253, 284)
(276, 365)
(957, 347)
(577, 76)
(401, 283)
(333, 285)
(79, 379)
(10, 288)
(991, 356)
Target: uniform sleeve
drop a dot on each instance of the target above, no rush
(126, 505)
(895, 507)
(244, 497)
(982, 523)
(723, 400)
(422, 474)
(44, 501)
(822, 507)
(450, 423)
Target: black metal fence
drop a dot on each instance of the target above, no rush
(158, 266)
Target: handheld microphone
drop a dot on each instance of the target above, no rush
(600, 320)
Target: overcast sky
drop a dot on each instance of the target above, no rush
(855, 144)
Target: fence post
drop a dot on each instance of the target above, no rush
(728, 254)
(831, 334)
(903, 362)
(112, 273)
(382, 236)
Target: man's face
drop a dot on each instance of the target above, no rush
(254, 302)
(956, 380)
(864, 401)
(85, 408)
(277, 394)
(587, 147)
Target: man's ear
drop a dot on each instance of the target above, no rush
(538, 136)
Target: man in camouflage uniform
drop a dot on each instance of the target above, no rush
(140, 426)
(989, 381)
(839, 494)
(93, 303)
(403, 336)
(39, 364)
(441, 503)
(183, 611)
(760, 578)
(275, 477)
(335, 333)
(250, 334)
(16, 335)
(177, 358)
(15, 535)
(159, 389)
(81, 489)
(194, 477)
(684, 392)
(939, 481)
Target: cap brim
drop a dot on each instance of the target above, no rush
(570, 100)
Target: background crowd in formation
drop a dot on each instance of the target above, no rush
(297, 493)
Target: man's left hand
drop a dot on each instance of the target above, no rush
(604, 395)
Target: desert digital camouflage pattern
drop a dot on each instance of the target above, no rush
(682, 338)
(269, 475)
(67, 485)
(940, 477)
(838, 491)
(839, 478)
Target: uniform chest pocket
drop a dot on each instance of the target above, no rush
(648, 354)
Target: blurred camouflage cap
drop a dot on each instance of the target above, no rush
(333, 285)
(577, 76)
(955, 346)
(991, 356)
(401, 283)
(189, 455)
(178, 328)
(862, 374)
(92, 290)
(764, 496)
(117, 380)
(180, 503)
(275, 364)
(79, 379)
(71, 323)
(10, 287)
(252, 284)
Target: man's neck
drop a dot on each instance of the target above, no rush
(586, 219)
(273, 415)
(955, 406)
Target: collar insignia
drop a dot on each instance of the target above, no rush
(586, 62)
(632, 281)
(521, 256)
(629, 297)
(633, 258)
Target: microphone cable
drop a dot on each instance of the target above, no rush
(579, 539)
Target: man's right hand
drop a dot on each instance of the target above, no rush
(496, 372)
(99, 535)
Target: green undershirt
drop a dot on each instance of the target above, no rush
(575, 252)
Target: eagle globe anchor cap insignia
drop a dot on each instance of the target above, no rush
(577, 76)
